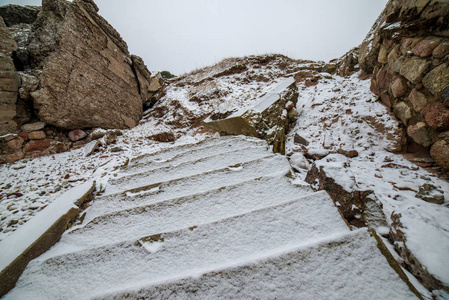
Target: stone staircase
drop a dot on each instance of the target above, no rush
(217, 219)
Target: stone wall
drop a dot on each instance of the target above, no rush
(407, 54)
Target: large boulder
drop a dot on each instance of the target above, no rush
(88, 78)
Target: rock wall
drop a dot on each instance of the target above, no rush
(87, 77)
(9, 80)
(76, 71)
(407, 54)
(66, 67)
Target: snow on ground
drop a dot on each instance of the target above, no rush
(339, 113)
(28, 186)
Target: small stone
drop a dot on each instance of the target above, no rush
(23, 135)
(116, 149)
(403, 112)
(440, 153)
(292, 114)
(430, 193)
(110, 137)
(76, 135)
(437, 116)
(38, 145)
(300, 140)
(425, 47)
(15, 144)
(37, 135)
(164, 137)
(398, 87)
(12, 222)
(298, 161)
(418, 100)
(32, 126)
(67, 176)
(348, 153)
(60, 147)
(419, 134)
(441, 51)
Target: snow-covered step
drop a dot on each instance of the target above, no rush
(184, 212)
(274, 166)
(267, 164)
(180, 253)
(347, 266)
(180, 154)
(190, 168)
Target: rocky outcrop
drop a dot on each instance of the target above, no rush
(267, 118)
(407, 53)
(76, 69)
(86, 80)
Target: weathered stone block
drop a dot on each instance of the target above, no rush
(37, 135)
(87, 77)
(263, 119)
(418, 100)
(33, 126)
(39, 145)
(398, 87)
(425, 47)
(437, 116)
(414, 69)
(403, 112)
(441, 51)
(437, 80)
(383, 55)
(419, 134)
(440, 153)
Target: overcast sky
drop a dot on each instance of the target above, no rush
(182, 35)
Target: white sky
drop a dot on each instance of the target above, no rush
(182, 35)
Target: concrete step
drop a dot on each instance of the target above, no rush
(181, 154)
(180, 253)
(187, 169)
(345, 266)
(173, 214)
(271, 166)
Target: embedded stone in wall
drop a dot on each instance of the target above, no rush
(437, 80)
(419, 134)
(441, 51)
(414, 69)
(440, 153)
(398, 87)
(437, 116)
(418, 100)
(402, 110)
(425, 47)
